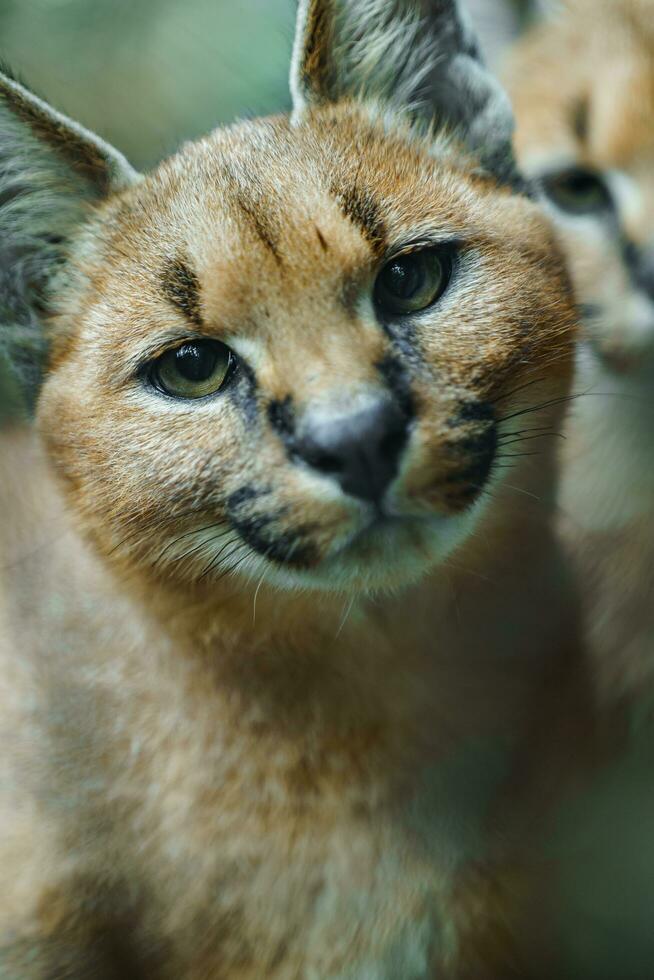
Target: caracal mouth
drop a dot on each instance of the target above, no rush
(388, 554)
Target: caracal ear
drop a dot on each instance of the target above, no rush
(419, 56)
(52, 173)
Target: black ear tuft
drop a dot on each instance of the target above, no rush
(52, 171)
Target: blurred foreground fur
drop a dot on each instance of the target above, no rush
(582, 84)
(589, 141)
(286, 639)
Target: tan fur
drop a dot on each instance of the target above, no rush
(301, 766)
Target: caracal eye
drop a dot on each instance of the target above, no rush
(194, 370)
(578, 191)
(412, 281)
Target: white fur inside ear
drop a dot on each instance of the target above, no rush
(297, 87)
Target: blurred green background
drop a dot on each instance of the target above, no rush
(147, 74)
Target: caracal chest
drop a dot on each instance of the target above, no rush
(307, 856)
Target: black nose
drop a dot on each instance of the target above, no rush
(360, 451)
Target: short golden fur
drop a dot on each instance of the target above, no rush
(251, 733)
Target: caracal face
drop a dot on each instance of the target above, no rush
(583, 90)
(295, 352)
(273, 251)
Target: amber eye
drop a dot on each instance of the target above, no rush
(194, 370)
(578, 191)
(412, 281)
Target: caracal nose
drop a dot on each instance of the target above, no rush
(360, 451)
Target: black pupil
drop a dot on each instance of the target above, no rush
(404, 277)
(583, 185)
(196, 362)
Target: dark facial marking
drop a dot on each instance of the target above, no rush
(404, 342)
(640, 263)
(261, 226)
(474, 411)
(474, 474)
(181, 287)
(630, 255)
(580, 118)
(281, 415)
(321, 238)
(397, 379)
(243, 390)
(285, 548)
(482, 443)
(477, 449)
(243, 496)
(464, 485)
(361, 208)
(588, 311)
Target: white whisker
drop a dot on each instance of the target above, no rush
(345, 617)
(256, 595)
